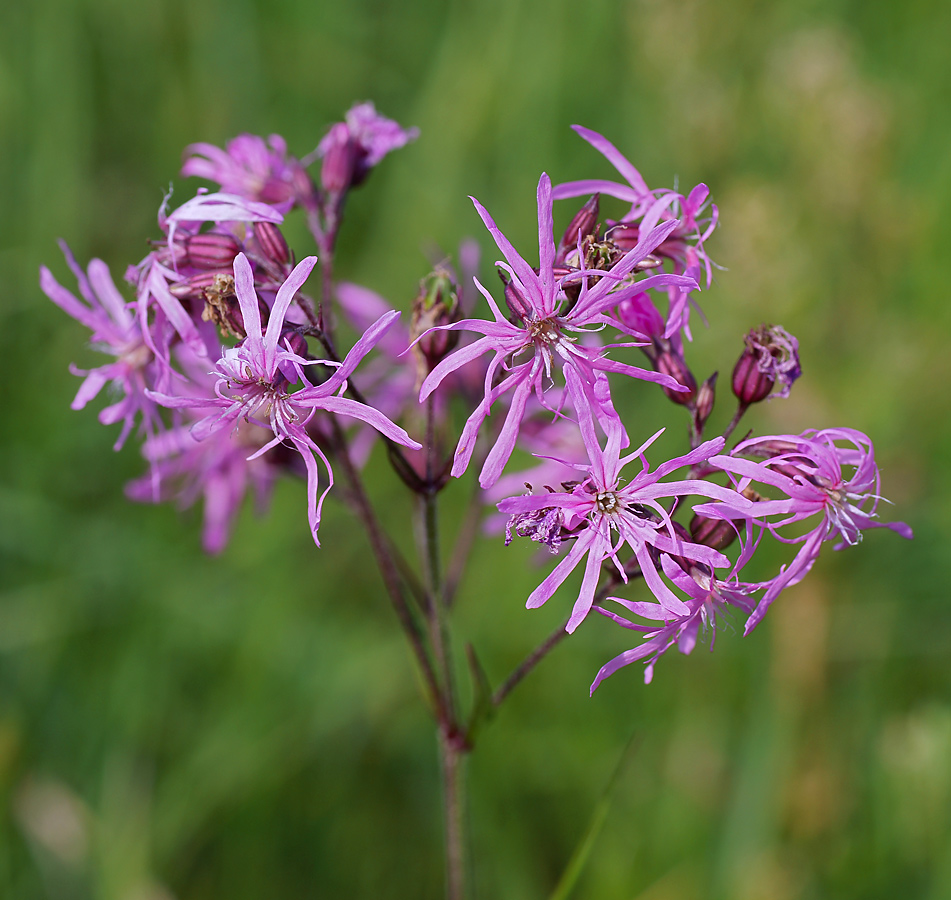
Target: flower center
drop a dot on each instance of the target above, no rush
(545, 331)
(607, 502)
(136, 355)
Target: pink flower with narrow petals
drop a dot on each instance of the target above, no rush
(840, 485)
(685, 243)
(353, 147)
(255, 378)
(116, 332)
(607, 512)
(545, 332)
(217, 470)
(251, 168)
(707, 599)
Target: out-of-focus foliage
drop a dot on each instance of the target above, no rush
(173, 726)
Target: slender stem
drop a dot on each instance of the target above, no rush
(326, 283)
(741, 408)
(468, 531)
(452, 745)
(453, 776)
(554, 639)
(438, 626)
(388, 570)
(529, 663)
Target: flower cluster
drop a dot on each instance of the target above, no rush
(554, 318)
(231, 371)
(211, 356)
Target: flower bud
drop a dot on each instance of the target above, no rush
(194, 287)
(297, 341)
(272, 242)
(583, 225)
(688, 565)
(639, 314)
(669, 362)
(437, 303)
(706, 397)
(717, 534)
(770, 357)
(625, 235)
(772, 447)
(750, 384)
(516, 302)
(211, 250)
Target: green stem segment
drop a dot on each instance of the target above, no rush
(452, 746)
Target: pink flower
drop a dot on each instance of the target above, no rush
(116, 332)
(215, 470)
(254, 381)
(545, 332)
(250, 168)
(685, 243)
(601, 505)
(707, 598)
(839, 485)
(353, 147)
(218, 470)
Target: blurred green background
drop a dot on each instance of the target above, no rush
(173, 726)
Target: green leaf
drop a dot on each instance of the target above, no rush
(569, 878)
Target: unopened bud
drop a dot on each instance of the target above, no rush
(772, 447)
(583, 225)
(297, 342)
(639, 314)
(437, 303)
(625, 237)
(515, 299)
(194, 287)
(714, 533)
(688, 565)
(211, 250)
(750, 383)
(272, 242)
(706, 397)
(669, 362)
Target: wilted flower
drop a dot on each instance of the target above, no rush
(771, 357)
